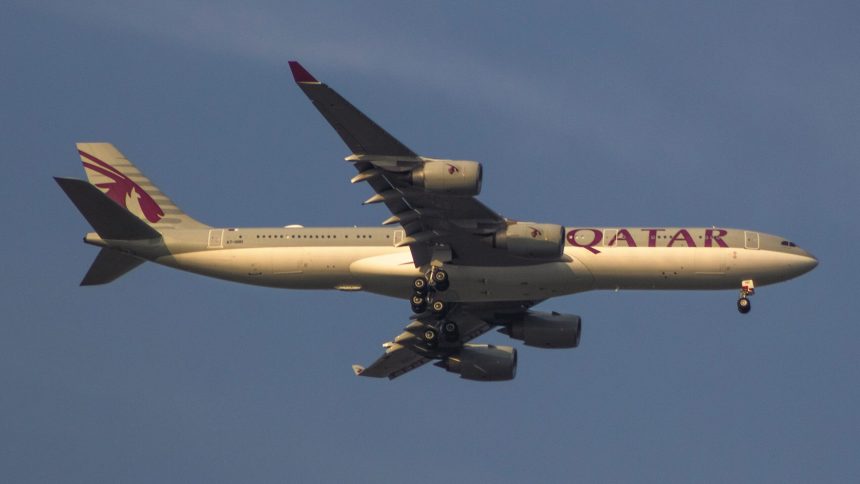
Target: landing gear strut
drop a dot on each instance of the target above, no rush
(747, 289)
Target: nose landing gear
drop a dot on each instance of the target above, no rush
(747, 289)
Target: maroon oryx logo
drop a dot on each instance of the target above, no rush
(536, 232)
(452, 169)
(122, 188)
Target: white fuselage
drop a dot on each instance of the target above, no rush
(366, 259)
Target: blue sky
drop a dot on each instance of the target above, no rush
(740, 114)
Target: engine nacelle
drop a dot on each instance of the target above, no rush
(547, 330)
(483, 363)
(543, 241)
(456, 177)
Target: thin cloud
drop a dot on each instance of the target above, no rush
(631, 109)
(272, 35)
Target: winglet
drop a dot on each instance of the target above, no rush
(358, 369)
(300, 74)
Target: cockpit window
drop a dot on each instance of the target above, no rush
(788, 244)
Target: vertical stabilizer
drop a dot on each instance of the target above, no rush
(122, 182)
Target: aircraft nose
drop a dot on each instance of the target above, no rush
(808, 262)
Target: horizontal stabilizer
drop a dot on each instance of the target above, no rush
(109, 265)
(110, 221)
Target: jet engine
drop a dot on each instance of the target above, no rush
(483, 362)
(546, 330)
(456, 177)
(544, 241)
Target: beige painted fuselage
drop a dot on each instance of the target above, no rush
(366, 259)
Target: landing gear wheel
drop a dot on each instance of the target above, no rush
(419, 285)
(431, 337)
(419, 303)
(747, 289)
(440, 280)
(744, 305)
(451, 331)
(439, 307)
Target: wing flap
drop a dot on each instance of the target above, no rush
(403, 355)
(396, 361)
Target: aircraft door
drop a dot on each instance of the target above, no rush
(216, 239)
(609, 237)
(751, 240)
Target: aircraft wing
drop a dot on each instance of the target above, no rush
(428, 218)
(410, 350)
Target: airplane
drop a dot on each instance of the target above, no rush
(464, 268)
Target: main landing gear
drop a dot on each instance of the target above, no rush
(440, 331)
(747, 289)
(426, 292)
(426, 295)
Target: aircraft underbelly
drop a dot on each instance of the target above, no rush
(392, 275)
(518, 283)
(286, 267)
(389, 271)
(684, 267)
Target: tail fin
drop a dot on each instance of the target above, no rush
(122, 182)
(109, 265)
